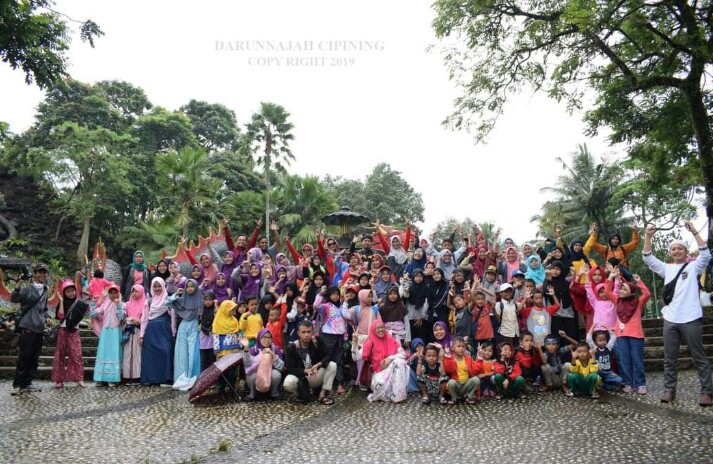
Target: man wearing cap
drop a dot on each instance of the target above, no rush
(683, 316)
(33, 317)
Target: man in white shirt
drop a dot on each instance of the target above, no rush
(683, 316)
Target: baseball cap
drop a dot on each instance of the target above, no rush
(518, 272)
(505, 286)
(492, 269)
(41, 267)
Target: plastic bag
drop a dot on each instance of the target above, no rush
(184, 383)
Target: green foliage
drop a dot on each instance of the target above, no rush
(302, 202)
(34, 37)
(647, 62)
(268, 136)
(214, 125)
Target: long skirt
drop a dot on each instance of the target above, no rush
(68, 365)
(157, 351)
(131, 367)
(391, 383)
(187, 356)
(107, 367)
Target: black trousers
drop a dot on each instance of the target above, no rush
(30, 348)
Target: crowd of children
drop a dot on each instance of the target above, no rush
(485, 320)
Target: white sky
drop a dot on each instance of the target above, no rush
(386, 106)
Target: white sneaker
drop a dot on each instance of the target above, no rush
(16, 391)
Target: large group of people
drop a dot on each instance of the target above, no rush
(485, 319)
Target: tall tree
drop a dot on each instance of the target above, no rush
(391, 198)
(268, 136)
(214, 125)
(35, 38)
(585, 194)
(647, 62)
(187, 193)
(87, 172)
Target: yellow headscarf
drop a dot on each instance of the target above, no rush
(224, 323)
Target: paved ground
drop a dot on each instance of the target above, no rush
(157, 425)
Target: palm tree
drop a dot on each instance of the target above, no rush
(587, 193)
(182, 175)
(303, 202)
(267, 138)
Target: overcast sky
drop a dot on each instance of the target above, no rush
(351, 108)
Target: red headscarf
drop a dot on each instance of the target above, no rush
(378, 348)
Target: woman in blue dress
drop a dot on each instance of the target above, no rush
(108, 315)
(187, 306)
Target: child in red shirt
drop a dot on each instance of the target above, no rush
(508, 379)
(276, 320)
(528, 358)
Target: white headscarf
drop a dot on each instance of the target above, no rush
(399, 253)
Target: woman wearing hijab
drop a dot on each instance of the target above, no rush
(388, 361)
(162, 270)
(267, 357)
(511, 264)
(362, 316)
(187, 307)
(418, 261)
(441, 335)
(446, 264)
(415, 291)
(108, 316)
(174, 279)
(68, 365)
(222, 288)
(535, 270)
(397, 256)
(438, 297)
(225, 338)
(229, 264)
(210, 270)
(157, 337)
(136, 273)
(134, 308)
(614, 249)
(564, 318)
(393, 311)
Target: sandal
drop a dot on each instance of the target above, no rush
(58, 386)
(327, 401)
(595, 395)
(470, 401)
(443, 401)
(426, 400)
(569, 393)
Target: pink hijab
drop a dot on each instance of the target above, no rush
(135, 306)
(106, 317)
(158, 302)
(210, 272)
(376, 348)
(512, 265)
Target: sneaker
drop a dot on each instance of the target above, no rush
(641, 390)
(112, 385)
(16, 391)
(627, 389)
(166, 385)
(31, 389)
(537, 382)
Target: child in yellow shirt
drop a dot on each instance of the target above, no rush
(583, 373)
(251, 322)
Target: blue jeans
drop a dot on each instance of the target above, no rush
(611, 380)
(412, 381)
(630, 356)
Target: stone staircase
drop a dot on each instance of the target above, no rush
(653, 350)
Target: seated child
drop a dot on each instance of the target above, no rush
(431, 383)
(527, 357)
(461, 369)
(485, 369)
(583, 376)
(602, 341)
(555, 361)
(417, 353)
(507, 379)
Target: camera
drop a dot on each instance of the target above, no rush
(25, 273)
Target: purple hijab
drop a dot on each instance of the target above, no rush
(251, 285)
(256, 349)
(201, 278)
(227, 269)
(447, 340)
(280, 288)
(221, 293)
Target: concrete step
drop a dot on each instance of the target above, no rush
(43, 373)
(49, 351)
(658, 331)
(653, 365)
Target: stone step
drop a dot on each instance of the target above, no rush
(658, 331)
(11, 361)
(49, 351)
(650, 342)
(657, 352)
(43, 373)
(653, 365)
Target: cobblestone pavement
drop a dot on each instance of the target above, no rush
(158, 425)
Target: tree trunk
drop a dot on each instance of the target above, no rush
(7, 225)
(83, 248)
(704, 139)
